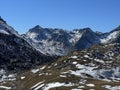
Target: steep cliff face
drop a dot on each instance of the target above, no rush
(88, 39)
(15, 52)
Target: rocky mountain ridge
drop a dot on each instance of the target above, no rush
(60, 42)
(91, 59)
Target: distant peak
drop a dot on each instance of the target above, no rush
(37, 27)
(87, 29)
(2, 20)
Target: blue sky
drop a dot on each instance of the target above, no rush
(99, 15)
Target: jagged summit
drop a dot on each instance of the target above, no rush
(35, 29)
(60, 42)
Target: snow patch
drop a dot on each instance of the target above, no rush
(55, 64)
(90, 85)
(86, 56)
(42, 67)
(5, 87)
(111, 87)
(4, 77)
(74, 62)
(84, 69)
(4, 32)
(106, 38)
(34, 71)
(81, 87)
(37, 85)
(74, 57)
(92, 71)
(98, 60)
(76, 89)
(40, 86)
(62, 75)
(23, 77)
(56, 84)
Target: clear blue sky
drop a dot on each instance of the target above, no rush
(99, 15)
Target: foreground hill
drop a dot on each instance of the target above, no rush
(96, 68)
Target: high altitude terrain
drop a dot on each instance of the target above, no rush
(61, 42)
(56, 59)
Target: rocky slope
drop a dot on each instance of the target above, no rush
(96, 68)
(61, 42)
(91, 63)
(15, 52)
(49, 41)
(111, 37)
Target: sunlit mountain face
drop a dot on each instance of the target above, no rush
(57, 59)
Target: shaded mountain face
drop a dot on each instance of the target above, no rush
(60, 42)
(87, 39)
(15, 52)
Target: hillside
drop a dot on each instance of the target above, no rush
(57, 59)
(94, 68)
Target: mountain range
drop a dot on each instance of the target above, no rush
(60, 42)
(57, 59)
(39, 43)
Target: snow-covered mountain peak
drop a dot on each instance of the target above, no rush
(57, 41)
(113, 36)
(60, 42)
